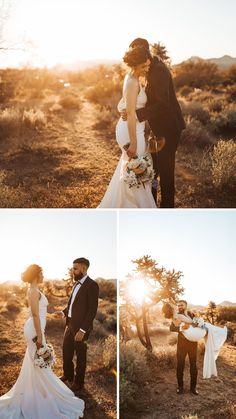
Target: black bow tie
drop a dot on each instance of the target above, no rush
(78, 282)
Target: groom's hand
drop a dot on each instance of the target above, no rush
(79, 336)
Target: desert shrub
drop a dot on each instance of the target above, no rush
(13, 306)
(133, 371)
(111, 324)
(216, 105)
(106, 118)
(165, 356)
(223, 158)
(226, 314)
(99, 331)
(230, 75)
(34, 118)
(70, 102)
(197, 73)
(7, 91)
(231, 94)
(224, 122)
(100, 316)
(173, 339)
(185, 91)
(10, 122)
(109, 352)
(107, 289)
(196, 110)
(195, 134)
(202, 96)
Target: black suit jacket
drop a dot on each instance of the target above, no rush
(162, 111)
(84, 307)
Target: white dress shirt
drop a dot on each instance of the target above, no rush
(74, 293)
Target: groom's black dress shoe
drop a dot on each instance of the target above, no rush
(194, 391)
(180, 390)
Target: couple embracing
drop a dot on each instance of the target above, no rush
(191, 330)
(38, 392)
(148, 95)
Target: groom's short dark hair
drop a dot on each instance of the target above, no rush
(183, 301)
(139, 42)
(84, 261)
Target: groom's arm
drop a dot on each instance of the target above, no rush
(159, 82)
(92, 307)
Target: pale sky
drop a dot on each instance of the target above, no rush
(54, 238)
(67, 31)
(200, 243)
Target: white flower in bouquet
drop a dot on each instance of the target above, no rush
(45, 356)
(138, 171)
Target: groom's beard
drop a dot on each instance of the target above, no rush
(78, 277)
(181, 311)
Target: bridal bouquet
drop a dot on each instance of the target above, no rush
(198, 322)
(45, 356)
(138, 171)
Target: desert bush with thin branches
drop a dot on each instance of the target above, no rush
(223, 159)
(34, 118)
(10, 122)
(109, 347)
(133, 371)
(196, 134)
(70, 102)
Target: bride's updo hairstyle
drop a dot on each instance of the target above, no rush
(32, 272)
(136, 56)
(167, 310)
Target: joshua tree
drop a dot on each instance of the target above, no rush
(160, 50)
(148, 286)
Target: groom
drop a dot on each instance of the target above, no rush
(185, 347)
(80, 313)
(165, 118)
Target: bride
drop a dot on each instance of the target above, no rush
(196, 329)
(38, 393)
(130, 186)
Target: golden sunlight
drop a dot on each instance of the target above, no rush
(138, 290)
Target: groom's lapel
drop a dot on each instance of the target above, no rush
(82, 286)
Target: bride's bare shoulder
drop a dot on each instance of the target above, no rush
(33, 293)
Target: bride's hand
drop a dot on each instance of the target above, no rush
(39, 344)
(131, 152)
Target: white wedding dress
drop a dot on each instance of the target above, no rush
(38, 393)
(118, 193)
(215, 337)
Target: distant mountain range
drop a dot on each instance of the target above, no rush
(201, 307)
(221, 62)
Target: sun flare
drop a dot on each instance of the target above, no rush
(138, 290)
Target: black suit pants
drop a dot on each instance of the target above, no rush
(164, 166)
(185, 347)
(71, 347)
